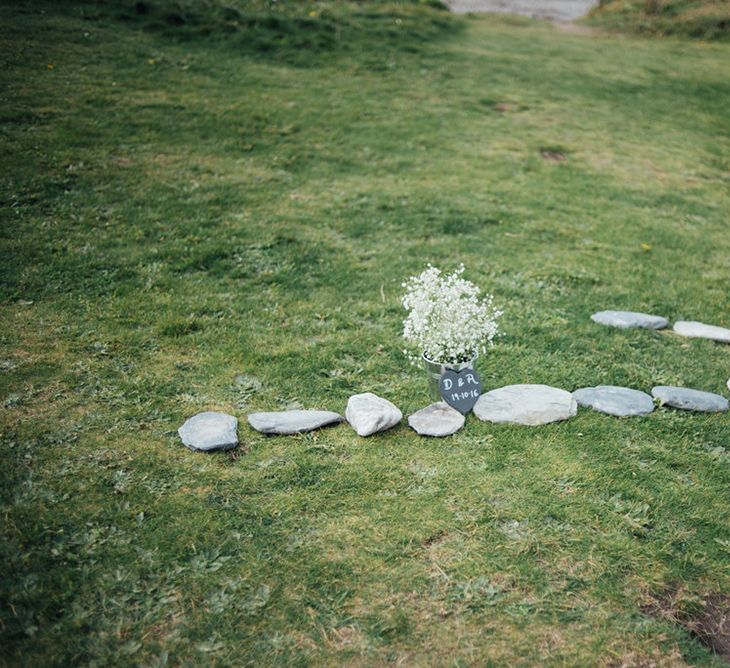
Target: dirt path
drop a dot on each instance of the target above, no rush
(554, 10)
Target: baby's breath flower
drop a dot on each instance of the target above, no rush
(447, 321)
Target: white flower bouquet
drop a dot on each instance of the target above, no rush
(447, 321)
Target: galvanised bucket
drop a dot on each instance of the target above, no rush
(436, 369)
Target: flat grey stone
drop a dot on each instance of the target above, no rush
(626, 319)
(368, 413)
(292, 422)
(690, 400)
(526, 404)
(210, 431)
(613, 400)
(438, 419)
(699, 330)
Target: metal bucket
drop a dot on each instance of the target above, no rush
(436, 369)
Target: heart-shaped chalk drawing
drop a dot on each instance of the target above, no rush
(460, 389)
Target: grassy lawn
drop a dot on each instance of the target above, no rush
(217, 212)
(707, 19)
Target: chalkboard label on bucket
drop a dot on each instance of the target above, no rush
(460, 389)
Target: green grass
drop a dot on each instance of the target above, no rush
(704, 19)
(191, 222)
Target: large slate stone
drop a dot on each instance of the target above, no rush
(438, 419)
(613, 400)
(626, 319)
(368, 413)
(690, 400)
(292, 422)
(699, 330)
(209, 431)
(526, 404)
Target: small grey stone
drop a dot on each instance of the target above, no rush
(292, 422)
(690, 400)
(728, 383)
(209, 431)
(438, 419)
(526, 404)
(626, 319)
(699, 330)
(368, 413)
(613, 400)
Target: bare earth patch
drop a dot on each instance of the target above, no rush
(552, 156)
(707, 618)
